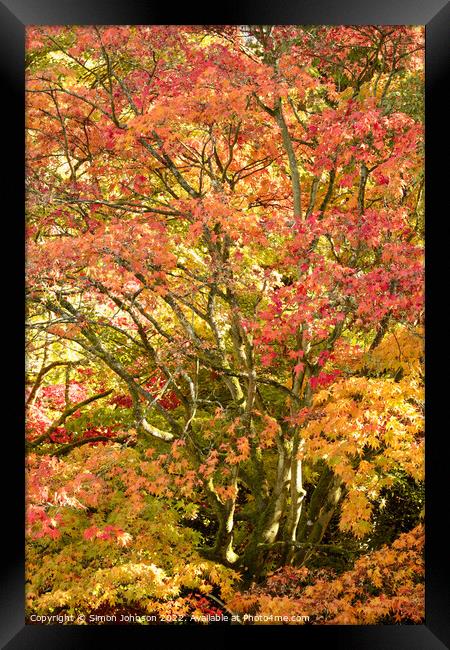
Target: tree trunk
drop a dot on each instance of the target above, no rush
(268, 522)
(223, 545)
(315, 522)
(297, 494)
(223, 548)
(293, 168)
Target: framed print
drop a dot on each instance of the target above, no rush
(226, 324)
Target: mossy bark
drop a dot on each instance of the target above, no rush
(315, 522)
(267, 523)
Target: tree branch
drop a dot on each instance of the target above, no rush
(65, 414)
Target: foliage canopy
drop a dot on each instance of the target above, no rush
(225, 319)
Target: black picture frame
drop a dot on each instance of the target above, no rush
(14, 16)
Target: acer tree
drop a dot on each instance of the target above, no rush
(224, 264)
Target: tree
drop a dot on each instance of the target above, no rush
(225, 230)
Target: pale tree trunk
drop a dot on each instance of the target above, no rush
(293, 168)
(268, 523)
(223, 546)
(297, 494)
(316, 519)
(279, 496)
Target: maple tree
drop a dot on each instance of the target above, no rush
(225, 305)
